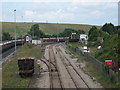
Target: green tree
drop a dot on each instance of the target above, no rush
(67, 32)
(36, 32)
(93, 34)
(6, 36)
(118, 47)
(54, 35)
(104, 34)
(80, 32)
(47, 36)
(109, 28)
(91, 30)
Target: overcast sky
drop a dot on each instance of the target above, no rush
(70, 11)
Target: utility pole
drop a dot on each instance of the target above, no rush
(22, 18)
(32, 31)
(22, 35)
(46, 21)
(57, 33)
(15, 28)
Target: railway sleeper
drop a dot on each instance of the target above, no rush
(77, 80)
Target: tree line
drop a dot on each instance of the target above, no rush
(111, 43)
(105, 31)
(36, 33)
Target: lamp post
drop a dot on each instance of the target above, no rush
(22, 18)
(33, 31)
(22, 35)
(15, 27)
(57, 34)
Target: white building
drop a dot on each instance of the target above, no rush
(28, 38)
(37, 42)
(83, 37)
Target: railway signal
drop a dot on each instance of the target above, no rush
(72, 35)
(108, 62)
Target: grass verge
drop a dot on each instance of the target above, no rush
(10, 76)
(94, 72)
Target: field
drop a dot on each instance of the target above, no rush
(48, 28)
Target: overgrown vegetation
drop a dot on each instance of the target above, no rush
(68, 31)
(10, 72)
(6, 36)
(110, 49)
(110, 46)
(108, 37)
(91, 69)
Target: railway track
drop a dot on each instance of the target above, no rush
(63, 72)
(53, 72)
(65, 78)
(73, 71)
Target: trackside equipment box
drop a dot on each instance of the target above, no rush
(26, 66)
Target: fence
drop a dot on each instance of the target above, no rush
(101, 67)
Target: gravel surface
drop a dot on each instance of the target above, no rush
(87, 78)
(71, 74)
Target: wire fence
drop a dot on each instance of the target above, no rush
(107, 71)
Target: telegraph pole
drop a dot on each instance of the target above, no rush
(57, 33)
(15, 28)
(22, 35)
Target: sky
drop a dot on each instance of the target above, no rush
(91, 12)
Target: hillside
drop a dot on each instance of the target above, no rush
(50, 28)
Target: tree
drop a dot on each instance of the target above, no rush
(6, 36)
(91, 30)
(80, 32)
(109, 28)
(103, 34)
(35, 32)
(47, 36)
(93, 34)
(54, 35)
(67, 32)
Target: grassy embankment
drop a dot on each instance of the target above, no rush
(49, 28)
(91, 69)
(10, 76)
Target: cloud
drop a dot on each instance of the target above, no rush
(30, 13)
(43, 5)
(59, 0)
(77, 12)
(111, 5)
(72, 8)
(79, 1)
(97, 14)
(92, 3)
(53, 16)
